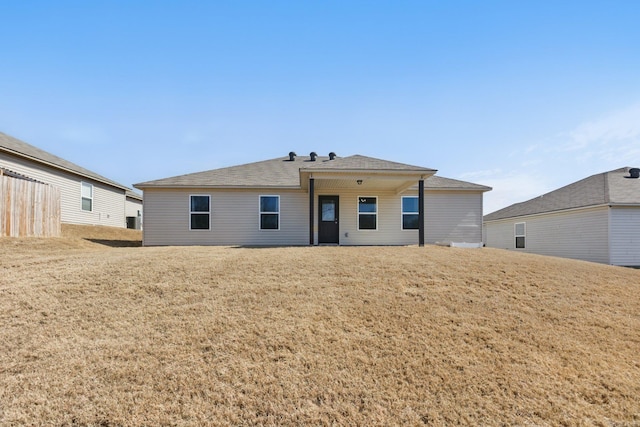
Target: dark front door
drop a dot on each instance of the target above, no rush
(328, 214)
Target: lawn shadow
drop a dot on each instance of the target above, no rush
(268, 246)
(117, 243)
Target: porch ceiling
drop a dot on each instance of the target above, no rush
(364, 180)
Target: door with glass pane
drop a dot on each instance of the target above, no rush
(328, 224)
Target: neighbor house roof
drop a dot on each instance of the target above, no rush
(19, 148)
(614, 188)
(280, 172)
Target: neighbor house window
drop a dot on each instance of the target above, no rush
(200, 212)
(269, 212)
(520, 235)
(410, 219)
(367, 213)
(87, 196)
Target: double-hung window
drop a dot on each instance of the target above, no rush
(410, 218)
(200, 212)
(520, 234)
(269, 212)
(367, 213)
(87, 196)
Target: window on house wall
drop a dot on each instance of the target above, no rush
(269, 212)
(200, 212)
(87, 196)
(520, 230)
(367, 213)
(410, 214)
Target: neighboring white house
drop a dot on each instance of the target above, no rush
(85, 196)
(309, 200)
(595, 219)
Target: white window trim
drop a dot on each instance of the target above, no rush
(82, 184)
(366, 213)
(515, 234)
(403, 213)
(260, 212)
(199, 212)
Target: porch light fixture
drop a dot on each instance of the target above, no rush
(359, 182)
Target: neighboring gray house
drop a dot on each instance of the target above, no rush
(595, 219)
(85, 197)
(309, 200)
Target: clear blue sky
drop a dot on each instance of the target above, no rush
(523, 96)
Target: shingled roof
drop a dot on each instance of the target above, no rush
(20, 148)
(614, 188)
(282, 172)
(440, 183)
(279, 172)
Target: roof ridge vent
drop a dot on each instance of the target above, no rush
(313, 156)
(292, 156)
(634, 173)
(332, 155)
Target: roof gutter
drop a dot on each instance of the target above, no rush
(424, 173)
(474, 189)
(142, 186)
(624, 205)
(579, 208)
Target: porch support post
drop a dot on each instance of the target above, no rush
(421, 212)
(311, 211)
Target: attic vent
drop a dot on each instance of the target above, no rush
(634, 173)
(313, 156)
(332, 155)
(292, 156)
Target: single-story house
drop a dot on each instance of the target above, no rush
(595, 219)
(85, 196)
(310, 200)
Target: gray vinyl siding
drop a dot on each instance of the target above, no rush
(389, 220)
(578, 234)
(625, 236)
(453, 216)
(108, 207)
(500, 234)
(234, 218)
(108, 202)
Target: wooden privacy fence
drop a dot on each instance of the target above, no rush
(28, 208)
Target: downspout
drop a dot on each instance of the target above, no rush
(311, 211)
(609, 257)
(421, 212)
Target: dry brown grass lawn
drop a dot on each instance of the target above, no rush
(93, 333)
